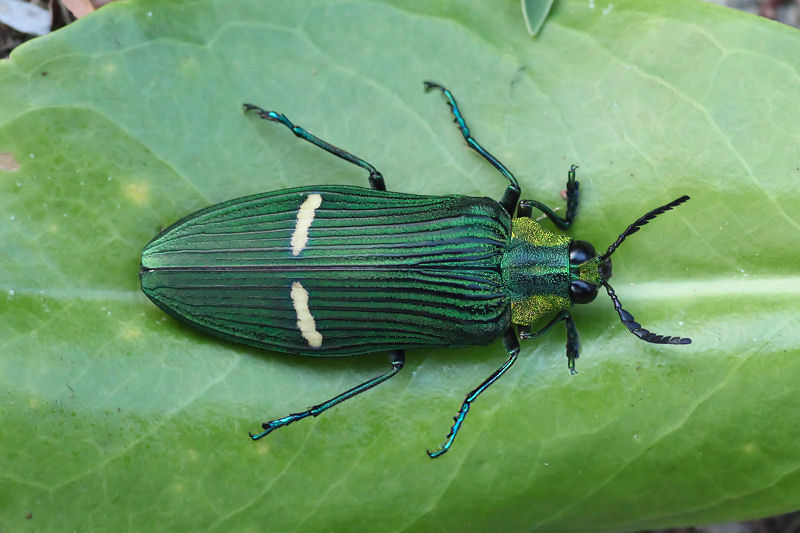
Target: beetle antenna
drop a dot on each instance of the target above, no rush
(636, 328)
(644, 219)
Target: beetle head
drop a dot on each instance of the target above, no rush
(587, 272)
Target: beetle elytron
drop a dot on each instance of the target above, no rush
(339, 270)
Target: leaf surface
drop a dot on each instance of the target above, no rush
(113, 416)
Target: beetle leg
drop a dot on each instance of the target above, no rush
(397, 358)
(511, 196)
(573, 197)
(512, 347)
(375, 178)
(573, 344)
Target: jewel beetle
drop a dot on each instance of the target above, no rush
(338, 270)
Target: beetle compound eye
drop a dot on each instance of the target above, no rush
(582, 292)
(580, 252)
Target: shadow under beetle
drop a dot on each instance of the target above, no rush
(337, 270)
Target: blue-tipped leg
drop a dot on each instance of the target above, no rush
(397, 357)
(375, 178)
(511, 196)
(512, 347)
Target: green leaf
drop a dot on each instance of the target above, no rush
(113, 416)
(535, 12)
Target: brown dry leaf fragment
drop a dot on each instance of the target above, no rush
(81, 8)
(8, 162)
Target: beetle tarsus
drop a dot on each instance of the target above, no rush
(264, 433)
(573, 195)
(263, 113)
(451, 436)
(439, 452)
(430, 85)
(272, 425)
(573, 344)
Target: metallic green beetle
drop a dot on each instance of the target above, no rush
(338, 271)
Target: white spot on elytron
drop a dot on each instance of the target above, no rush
(305, 216)
(305, 320)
